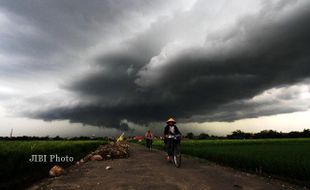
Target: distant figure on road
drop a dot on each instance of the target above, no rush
(149, 139)
(170, 131)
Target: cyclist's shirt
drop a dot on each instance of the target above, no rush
(172, 129)
(149, 135)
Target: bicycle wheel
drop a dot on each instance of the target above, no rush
(177, 156)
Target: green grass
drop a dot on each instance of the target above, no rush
(16, 171)
(284, 158)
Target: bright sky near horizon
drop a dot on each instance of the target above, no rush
(78, 68)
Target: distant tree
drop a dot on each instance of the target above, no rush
(83, 138)
(203, 136)
(190, 135)
(215, 137)
(268, 134)
(238, 134)
(306, 133)
(57, 138)
(294, 134)
(44, 138)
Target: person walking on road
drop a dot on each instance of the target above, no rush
(149, 139)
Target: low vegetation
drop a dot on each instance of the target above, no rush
(284, 158)
(16, 169)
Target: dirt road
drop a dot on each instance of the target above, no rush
(149, 170)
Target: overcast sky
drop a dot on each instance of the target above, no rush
(79, 67)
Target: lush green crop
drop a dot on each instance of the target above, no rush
(288, 158)
(16, 170)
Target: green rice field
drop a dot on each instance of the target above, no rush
(17, 171)
(288, 159)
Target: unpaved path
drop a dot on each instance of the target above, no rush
(148, 170)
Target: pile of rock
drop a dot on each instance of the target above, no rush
(108, 151)
(103, 152)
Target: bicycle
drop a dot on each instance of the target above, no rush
(176, 152)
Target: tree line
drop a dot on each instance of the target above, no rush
(53, 138)
(238, 134)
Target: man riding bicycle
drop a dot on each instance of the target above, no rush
(170, 132)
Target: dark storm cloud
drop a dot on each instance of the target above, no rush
(47, 35)
(272, 102)
(210, 83)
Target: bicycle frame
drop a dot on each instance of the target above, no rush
(176, 157)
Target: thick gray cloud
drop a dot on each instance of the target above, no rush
(173, 67)
(258, 53)
(286, 99)
(49, 36)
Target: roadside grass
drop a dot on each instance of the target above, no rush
(287, 159)
(17, 172)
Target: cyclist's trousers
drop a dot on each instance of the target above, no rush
(148, 143)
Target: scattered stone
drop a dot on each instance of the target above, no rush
(96, 157)
(56, 171)
(108, 167)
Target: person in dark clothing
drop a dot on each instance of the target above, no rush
(170, 131)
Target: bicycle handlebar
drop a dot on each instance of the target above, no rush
(173, 136)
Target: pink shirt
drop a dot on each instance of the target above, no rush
(149, 135)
